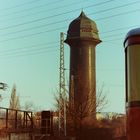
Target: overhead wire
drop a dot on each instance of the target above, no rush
(119, 14)
(38, 12)
(52, 16)
(121, 28)
(29, 54)
(19, 5)
(51, 30)
(44, 25)
(30, 35)
(32, 49)
(117, 29)
(115, 39)
(29, 9)
(29, 47)
(35, 53)
(114, 35)
(36, 50)
(44, 18)
(38, 33)
(116, 7)
(18, 52)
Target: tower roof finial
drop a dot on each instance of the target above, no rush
(82, 14)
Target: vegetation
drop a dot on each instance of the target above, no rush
(110, 126)
(80, 125)
(14, 100)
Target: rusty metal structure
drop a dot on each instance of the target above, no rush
(132, 61)
(13, 120)
(19, 122)
(47, 122)
(82, 37)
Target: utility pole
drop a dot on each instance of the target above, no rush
(62, 90)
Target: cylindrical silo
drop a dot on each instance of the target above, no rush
(132, 59)
(82, 37)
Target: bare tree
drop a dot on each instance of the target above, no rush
(14, 106)
(28, 106)
(78, 112)
(101, 99)
(14, 100)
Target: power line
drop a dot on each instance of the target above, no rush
(30, 47)
(33, 34)
(17, 25)
(119, 14)
(30, 35)
(19, 5)
(29, 9)
(116, 39)
(41, 26)
(44, 25)
(44, 18)
(29, 50)
(114, 35)
(122, 28)
(113, 8)
(37, 7)
(53, 29)
(31, 14)
(107, 31)
(28, 53)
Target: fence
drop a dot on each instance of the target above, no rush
(12, 120)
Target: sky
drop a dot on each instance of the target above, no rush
(30, 42)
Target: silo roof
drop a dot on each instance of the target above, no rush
(83, 27)
(132, 33)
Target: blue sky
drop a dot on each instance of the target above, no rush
(29, 46)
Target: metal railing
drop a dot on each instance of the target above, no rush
(13, 120)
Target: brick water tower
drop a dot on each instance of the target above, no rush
(82, 37)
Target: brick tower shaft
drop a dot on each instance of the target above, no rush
(82, 38)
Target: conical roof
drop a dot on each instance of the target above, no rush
(82, 27)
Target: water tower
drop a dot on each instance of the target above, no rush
(82, 37)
